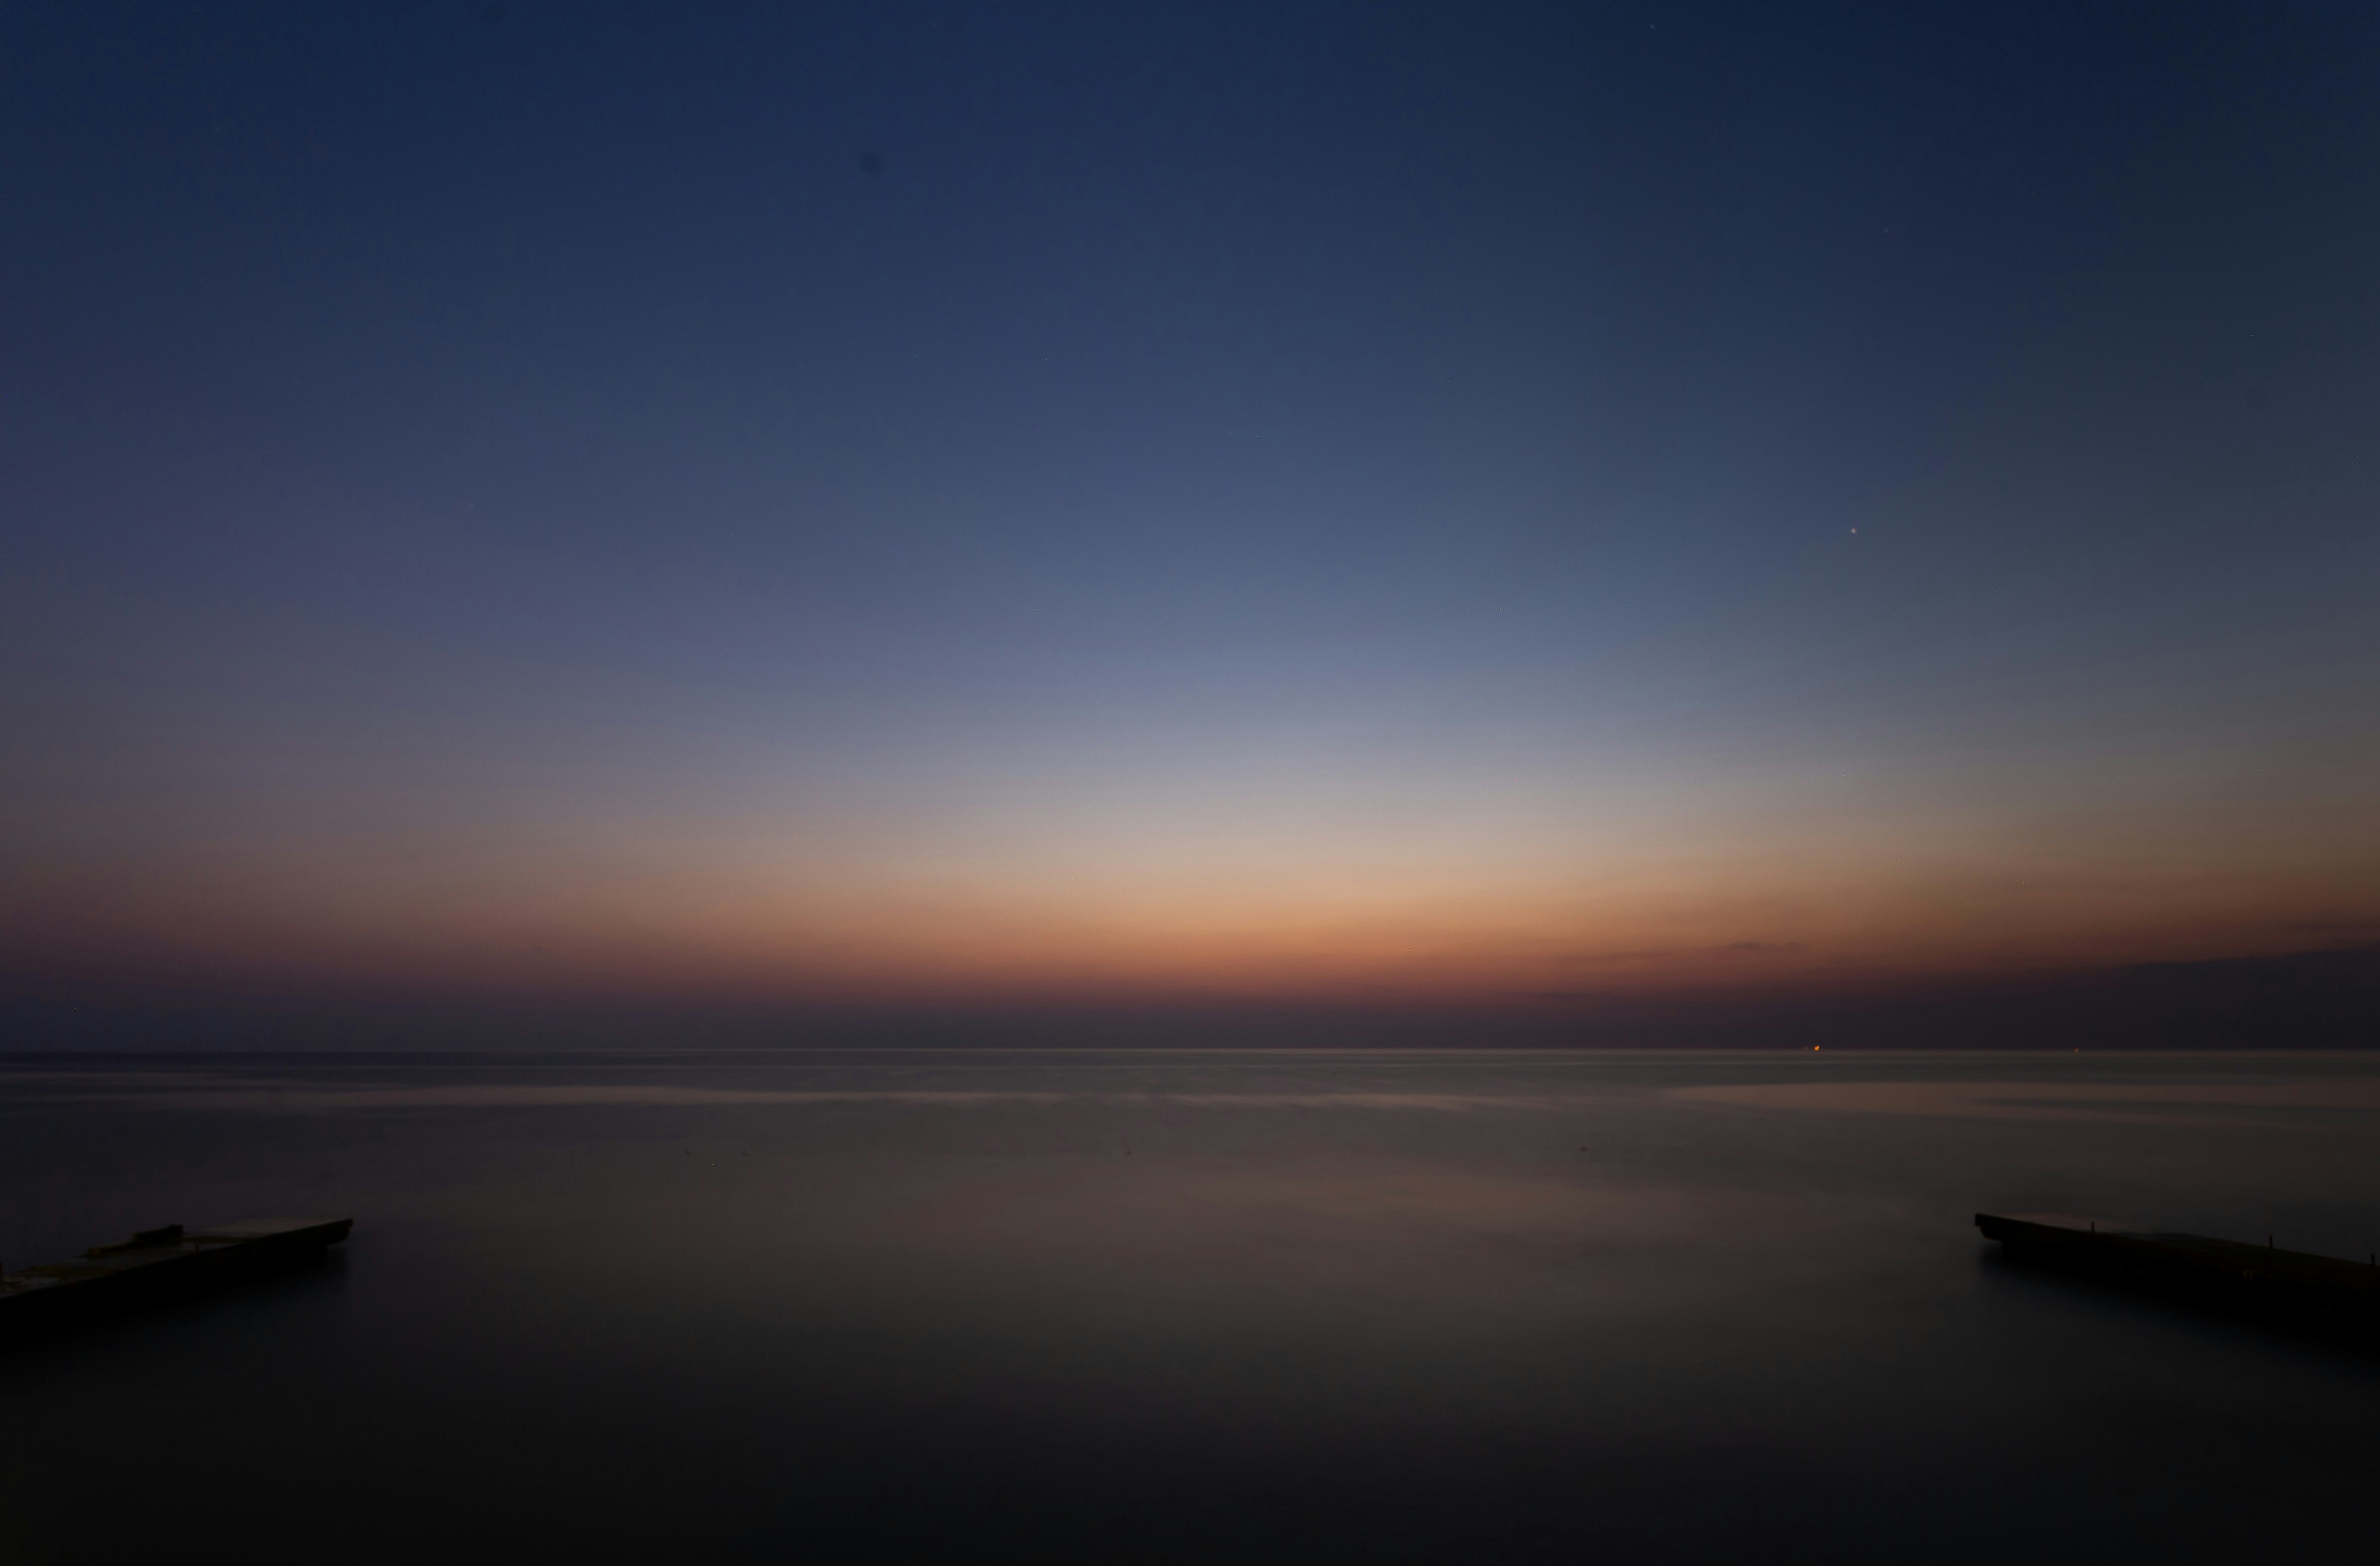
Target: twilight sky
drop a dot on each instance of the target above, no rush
(981, 503)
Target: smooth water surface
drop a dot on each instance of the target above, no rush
(1187, 1307)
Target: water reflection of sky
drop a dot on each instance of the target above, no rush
(660, 1095)
(1193, 1306)
(1973, 1086)
(2202, 1101)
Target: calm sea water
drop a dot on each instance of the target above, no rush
(1187, 1308)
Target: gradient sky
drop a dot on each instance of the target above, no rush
(882, 502)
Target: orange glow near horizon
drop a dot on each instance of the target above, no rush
(759, 913)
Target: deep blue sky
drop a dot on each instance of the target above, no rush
(856, 497)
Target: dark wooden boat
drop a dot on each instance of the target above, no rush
(162, 1261)
(2225, 1271)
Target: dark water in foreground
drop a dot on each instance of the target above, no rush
(1196, 1307)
